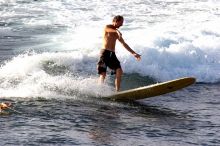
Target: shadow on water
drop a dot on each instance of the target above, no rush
(130, 81)
(32, 105)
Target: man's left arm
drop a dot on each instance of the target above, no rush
(121, 40)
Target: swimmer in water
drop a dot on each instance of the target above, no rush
(4, 105)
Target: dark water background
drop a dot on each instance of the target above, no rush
(187, 117)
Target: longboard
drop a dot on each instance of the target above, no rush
(152, 90)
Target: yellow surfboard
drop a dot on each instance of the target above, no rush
(152, 90)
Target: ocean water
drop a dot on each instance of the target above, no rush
(48, 55)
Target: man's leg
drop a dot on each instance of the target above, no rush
(102, 77)
(118, 75)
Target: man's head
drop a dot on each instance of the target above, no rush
(4, 105)
(118, 21)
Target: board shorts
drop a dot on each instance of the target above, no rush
(108, 59)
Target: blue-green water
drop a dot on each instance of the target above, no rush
(187, 117)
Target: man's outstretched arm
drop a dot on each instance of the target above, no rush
(137, 56)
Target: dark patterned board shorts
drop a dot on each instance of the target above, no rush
(108, 59)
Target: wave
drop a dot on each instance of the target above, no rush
(73, 74)
(50, 75)
(175, 39)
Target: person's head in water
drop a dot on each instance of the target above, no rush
(118, 21)
(4, 105)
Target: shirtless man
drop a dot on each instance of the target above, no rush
(107, 55)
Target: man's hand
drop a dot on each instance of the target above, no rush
(137, 56)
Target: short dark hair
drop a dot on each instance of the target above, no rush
(118, 18)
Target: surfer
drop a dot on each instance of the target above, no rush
(4, 105)
(107, 54)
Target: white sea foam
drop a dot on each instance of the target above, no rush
(175, 39)
(50, 75)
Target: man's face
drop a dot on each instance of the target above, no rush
(119, 23)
